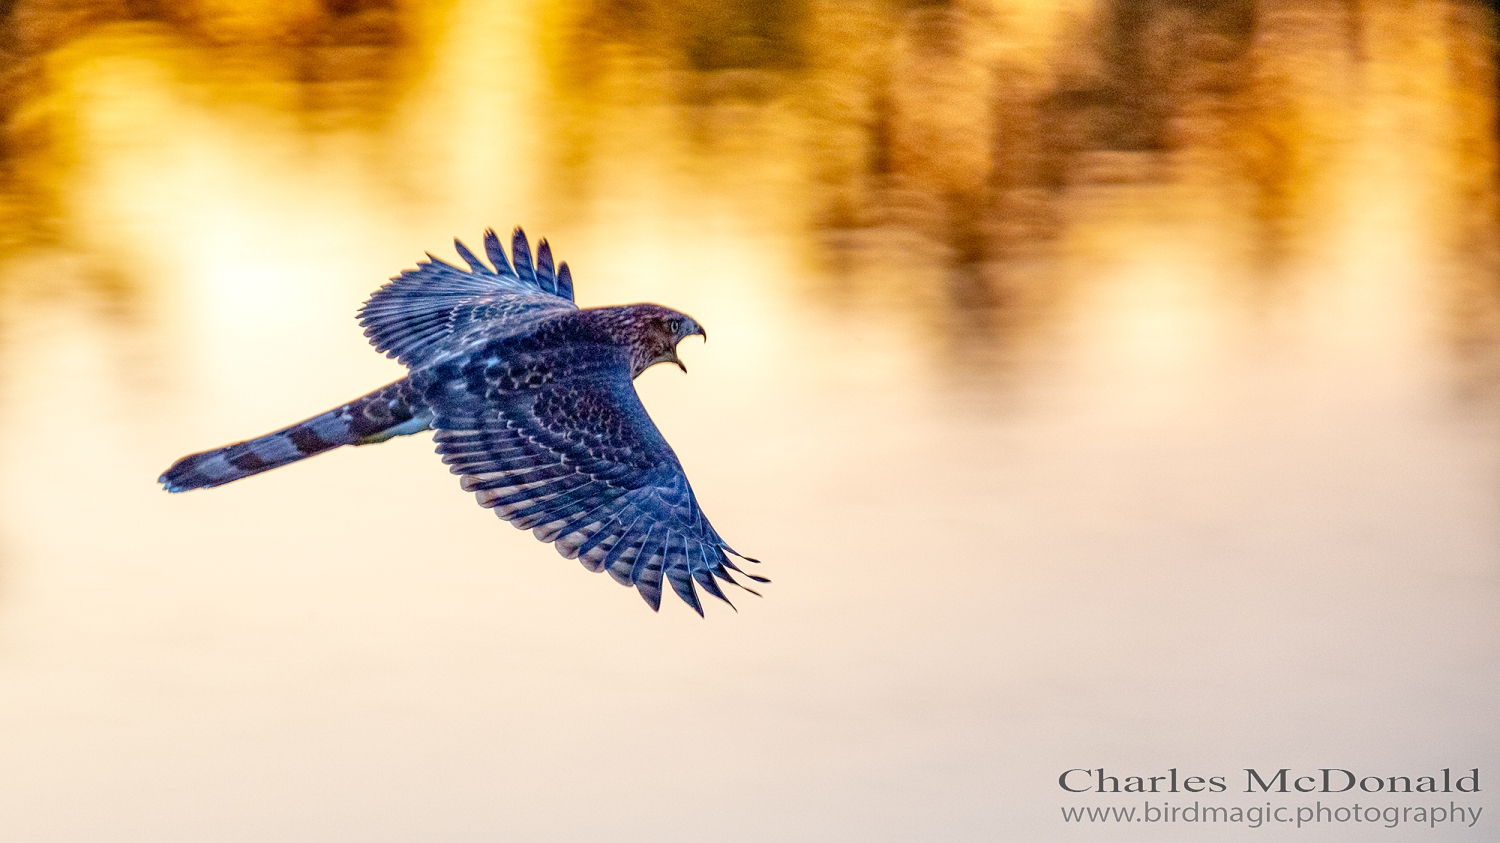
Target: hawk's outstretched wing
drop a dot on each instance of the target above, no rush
(578, 461)
(426, 311)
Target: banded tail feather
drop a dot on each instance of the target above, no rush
(392, 410)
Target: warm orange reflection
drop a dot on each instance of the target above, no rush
(1103, 383)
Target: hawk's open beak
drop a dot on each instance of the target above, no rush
(697, 329)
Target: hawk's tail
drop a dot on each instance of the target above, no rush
(393, 410)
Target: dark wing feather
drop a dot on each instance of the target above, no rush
(496, 252)
(579, 462)
(426, 312)
(520, 254)
(544, 273)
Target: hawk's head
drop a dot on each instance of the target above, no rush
(655, 333)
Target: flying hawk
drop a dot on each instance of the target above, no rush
(533, 405)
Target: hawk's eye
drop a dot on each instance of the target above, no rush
(674, 325)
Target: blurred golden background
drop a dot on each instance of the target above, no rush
(1104, 382)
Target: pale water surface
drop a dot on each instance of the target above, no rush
(1068, 438)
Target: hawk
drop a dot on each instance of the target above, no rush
(533, 407)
